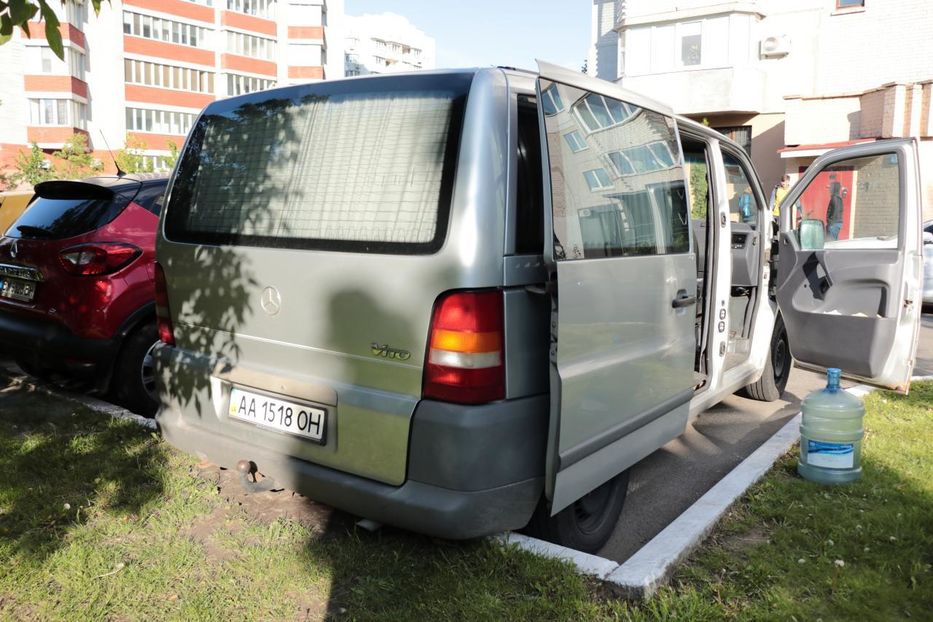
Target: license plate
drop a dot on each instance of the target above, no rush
(302, 420)
(17, 289)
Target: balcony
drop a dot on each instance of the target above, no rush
(699, 91)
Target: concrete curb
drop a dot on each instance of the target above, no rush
(93, 403)
(650, 567)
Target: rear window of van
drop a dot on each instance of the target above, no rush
(360, 165)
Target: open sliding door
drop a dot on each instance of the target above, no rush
(617, 243)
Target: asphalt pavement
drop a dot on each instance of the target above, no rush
(668, 481)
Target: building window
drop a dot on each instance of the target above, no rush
(259, 8)
(76, 63)
(43, 60)
(596, 112)
(75, 13)
(850, 4)
(742, 134)
(690, 44)
(248, 45)
(168, 77)
(166, 30)
(46, 57)
(576, 142)
(158, 121)
(597, 179)
(58, 112)
(240, 85)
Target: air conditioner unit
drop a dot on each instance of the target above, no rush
(775, 46)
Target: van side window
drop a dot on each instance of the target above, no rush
(529, 198)
(743, 204)
(617, 181)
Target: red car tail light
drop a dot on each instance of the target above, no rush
(163, 314)
(466, 361)
(98, 258)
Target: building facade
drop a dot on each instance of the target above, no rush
(789, 79)
(141, 71)
(385, 43)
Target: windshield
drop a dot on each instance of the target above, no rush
(364, 165)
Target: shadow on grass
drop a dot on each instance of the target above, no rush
(59, 465)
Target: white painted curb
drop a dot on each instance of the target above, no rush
(642, 573)
(650, 567)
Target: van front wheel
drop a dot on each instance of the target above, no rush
(774, 378)
(587, 523)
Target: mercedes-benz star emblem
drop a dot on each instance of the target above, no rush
(14, 249)
(270, 301)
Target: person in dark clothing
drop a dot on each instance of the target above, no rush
(834, 210)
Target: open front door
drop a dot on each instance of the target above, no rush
(617, 242)
(850, 263)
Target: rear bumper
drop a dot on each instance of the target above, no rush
(472, 471)
(46, 343)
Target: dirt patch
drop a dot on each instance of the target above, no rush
(269, 506)
(743, 542)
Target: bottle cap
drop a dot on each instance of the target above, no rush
(832, 377)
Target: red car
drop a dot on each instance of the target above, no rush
(77, 292)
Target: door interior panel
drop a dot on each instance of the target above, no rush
(745, 255)
(843, 298)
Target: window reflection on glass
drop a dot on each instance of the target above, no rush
(598, 113)
(576, 142)
(597, 179)
(551, 102)
(743, 205)
(623, 195)
(851, 204)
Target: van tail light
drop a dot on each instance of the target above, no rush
(466, 359)
(98, 258)
(163, 315)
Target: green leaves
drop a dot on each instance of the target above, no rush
(21, 12)
(52, 34)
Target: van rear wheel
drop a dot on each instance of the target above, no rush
(587, 523)
(774, 378)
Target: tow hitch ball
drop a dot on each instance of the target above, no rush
(248, 470)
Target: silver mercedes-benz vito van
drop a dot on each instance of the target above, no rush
(468, 301)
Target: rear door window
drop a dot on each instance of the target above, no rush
(150, 197)
(70, 213)
(363, 166)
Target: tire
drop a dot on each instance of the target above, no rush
(586, 524)
(773, 379)
(133, 381)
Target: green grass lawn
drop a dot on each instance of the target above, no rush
(101, 520)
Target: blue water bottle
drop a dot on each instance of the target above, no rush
(831, 434)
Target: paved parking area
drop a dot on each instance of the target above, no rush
(668, 481)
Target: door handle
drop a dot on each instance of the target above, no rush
(683, 300)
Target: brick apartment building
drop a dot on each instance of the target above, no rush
(143, 69)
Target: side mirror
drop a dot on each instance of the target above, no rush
(811, 235)
(927, 238)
